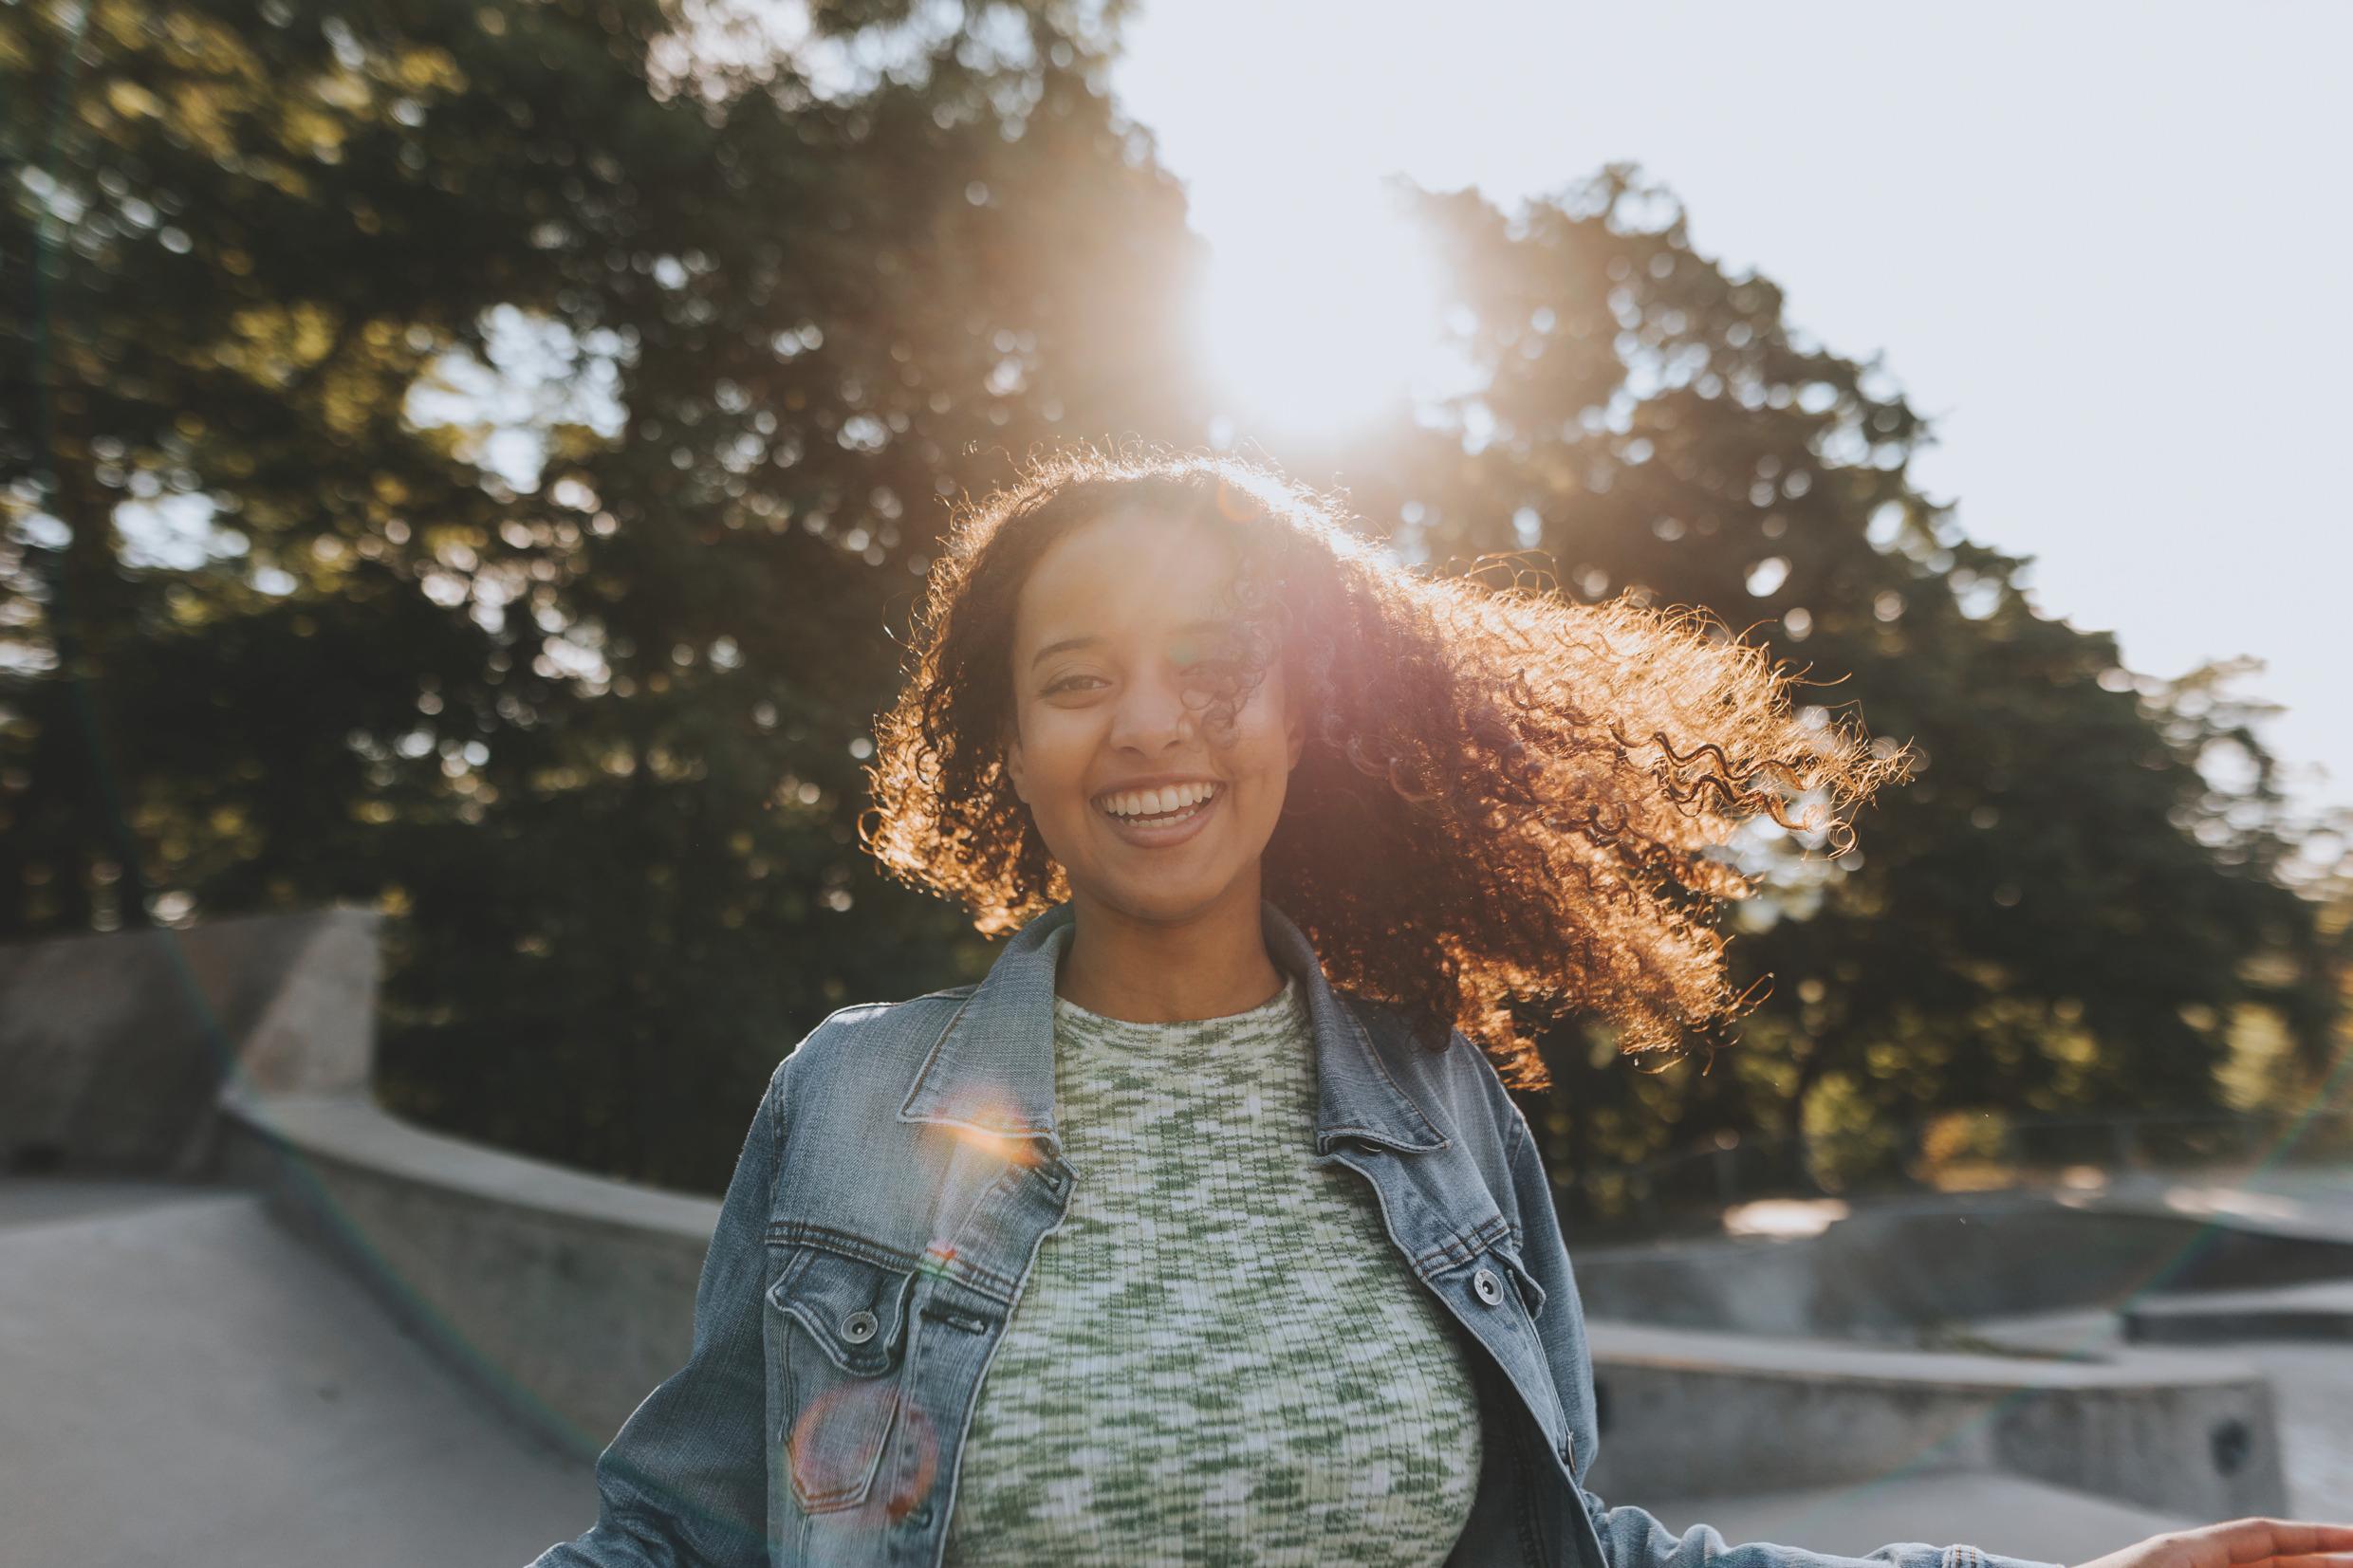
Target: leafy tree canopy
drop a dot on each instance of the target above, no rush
(467, 459)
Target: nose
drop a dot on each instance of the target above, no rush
(1151, 716)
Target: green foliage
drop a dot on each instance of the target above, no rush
(593, 739)
(588, 720)
(2060, 909)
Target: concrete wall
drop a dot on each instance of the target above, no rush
(2309, 1312)
(1900, 1264)
(114, 1047)
(1691, 1412)
(564, 1297)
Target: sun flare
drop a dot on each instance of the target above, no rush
(1322, 314)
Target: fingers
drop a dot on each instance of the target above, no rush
(2283, 1542)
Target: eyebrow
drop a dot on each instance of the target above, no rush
(1068, 643)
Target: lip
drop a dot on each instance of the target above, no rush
(1162, 835)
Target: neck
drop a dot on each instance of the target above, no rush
(1209, 963)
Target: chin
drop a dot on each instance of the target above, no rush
(1171, 899)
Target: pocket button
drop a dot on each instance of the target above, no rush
(857, 1327)
(1489, 1287)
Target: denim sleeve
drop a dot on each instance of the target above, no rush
(684, 1484)
(1632, 1538)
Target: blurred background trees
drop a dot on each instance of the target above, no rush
(470, 459)
(2059, 911)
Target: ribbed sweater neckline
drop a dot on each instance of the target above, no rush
(1285, 1011)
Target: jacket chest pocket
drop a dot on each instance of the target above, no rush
(839, 1326)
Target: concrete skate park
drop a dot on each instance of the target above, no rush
(247, 1315)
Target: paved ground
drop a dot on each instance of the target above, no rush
(187, 1385)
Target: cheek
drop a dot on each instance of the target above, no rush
(1262, 739)
(1054, 752)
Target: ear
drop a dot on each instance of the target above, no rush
(1294, 733)
(1012, 762)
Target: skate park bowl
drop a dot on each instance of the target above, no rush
(1853, 1345)
(234, 1058)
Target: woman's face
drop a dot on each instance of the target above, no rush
(1112, 618)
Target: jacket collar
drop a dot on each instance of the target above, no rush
(992, 1066)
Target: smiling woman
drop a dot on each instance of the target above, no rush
(1203, 1230)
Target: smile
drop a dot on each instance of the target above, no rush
(1156, 815)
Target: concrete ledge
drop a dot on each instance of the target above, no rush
(356, 1130)
(2296, 1312)
(564, 1297)
(1893, 1267)
(1681, 1409)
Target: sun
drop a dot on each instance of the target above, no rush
(1321, 312)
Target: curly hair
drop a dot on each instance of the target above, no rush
(1547, 779)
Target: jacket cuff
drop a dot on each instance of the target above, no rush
(1969, 1557)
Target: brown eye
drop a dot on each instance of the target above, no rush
(1216, 673)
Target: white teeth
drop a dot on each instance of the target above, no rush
(1157, 802)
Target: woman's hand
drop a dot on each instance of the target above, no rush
(2240, 1543)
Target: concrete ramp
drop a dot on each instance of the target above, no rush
(188, 1384)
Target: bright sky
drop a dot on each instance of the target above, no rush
(2097, 243)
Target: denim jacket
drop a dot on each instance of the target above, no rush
(890, 1199)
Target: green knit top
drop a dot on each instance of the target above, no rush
(1219, 1355)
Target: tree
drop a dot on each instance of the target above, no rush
(591, 731)
(2060, 910)
(571, 672)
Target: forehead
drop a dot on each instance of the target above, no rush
(1132, 569)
